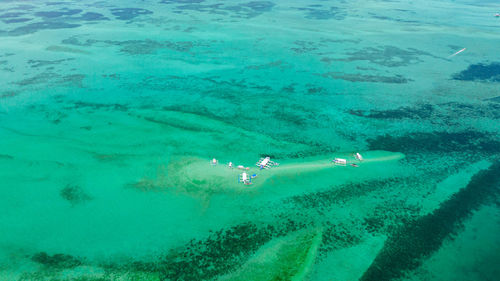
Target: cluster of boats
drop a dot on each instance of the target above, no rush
(245, 178)
(343, 162)
(266, 163)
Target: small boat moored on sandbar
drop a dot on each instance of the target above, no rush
(245, 179)
(340, 161)
(241, 167)
(266, 163)
(358, 156)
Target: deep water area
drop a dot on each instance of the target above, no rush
(119, 121)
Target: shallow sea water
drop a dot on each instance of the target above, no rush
(110, 112)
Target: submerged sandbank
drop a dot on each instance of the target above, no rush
(196, 176)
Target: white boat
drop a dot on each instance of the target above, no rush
(266, 163)
(241, 167)
(358, 156)
(340, 161)
(245, 179)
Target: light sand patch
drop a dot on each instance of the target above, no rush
(350, 263)
(285, 258)
(472, 255)
(196, 177)
(452, 184)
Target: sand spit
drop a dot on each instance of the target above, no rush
(196, 177)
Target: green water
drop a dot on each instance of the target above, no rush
(110, 112)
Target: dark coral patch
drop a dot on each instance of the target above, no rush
(396, 79)
(408, 246)
(389, 56)
(41, 63)
(480, 72)
(304, 47)
(277, 64)
(259, 6)
(74, 41)
(222, 252)
(91, 16)
(244, 10)
(37, 79)
(313, 12)
(139, 47)
(289, 89)
(11, 15)
(34, 27)
(57, 261)
(64, 49)
(438, 142)
(182, 1)
(418, 112)
(324, 199)
(55, 3)
(495, 99)
(462, 110)
(178, 125)
(23, 8)
(16, 20)
(248, 10)
(74, 194)
(75, 80)
(6, 156)
(337, 236)
(375, 16)
(445, 113)
(98, 106)
(129, 13)
(57, 14)
(316, 91)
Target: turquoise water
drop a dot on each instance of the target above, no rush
(110, 112)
